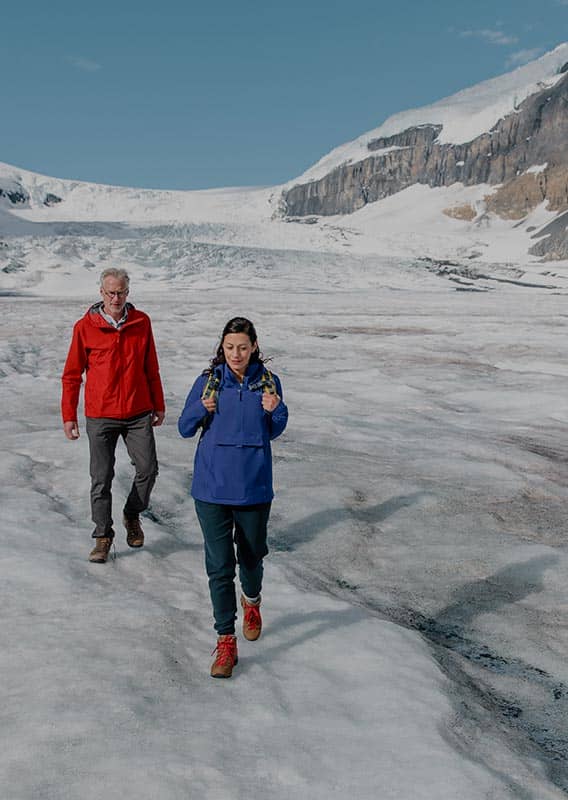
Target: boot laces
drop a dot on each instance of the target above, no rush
(225, 650)
(252, 616)
(110, 548)
(103, 543)
(133, 526)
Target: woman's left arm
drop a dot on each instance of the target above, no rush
(278, 418)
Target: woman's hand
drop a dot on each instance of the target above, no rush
(270, 402)
(210, 404)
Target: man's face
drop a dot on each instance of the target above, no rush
(114, 293)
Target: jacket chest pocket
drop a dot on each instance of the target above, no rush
(240, 418)
(103, 351)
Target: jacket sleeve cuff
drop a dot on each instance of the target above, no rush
(191, 418)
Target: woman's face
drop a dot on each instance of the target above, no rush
(238, 349)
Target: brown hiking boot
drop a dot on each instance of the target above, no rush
(226, 658)
(99, 553)
(252, 621)
(134, 532)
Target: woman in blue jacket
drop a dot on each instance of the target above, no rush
(238, 407)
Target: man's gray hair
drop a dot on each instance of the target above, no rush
(115, 272)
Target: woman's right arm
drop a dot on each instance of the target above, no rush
(194, 412)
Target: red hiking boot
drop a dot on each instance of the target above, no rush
(252, 621)
(226, 658)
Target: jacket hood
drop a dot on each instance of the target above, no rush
(94, 316)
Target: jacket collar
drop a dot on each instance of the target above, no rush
(95, 317)
(253, 373)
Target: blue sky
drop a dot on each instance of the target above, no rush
(189, 95)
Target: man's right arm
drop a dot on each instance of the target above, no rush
(71, 430)
(71, 379)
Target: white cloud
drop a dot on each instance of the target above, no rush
(84, 64)
(492, 36)
(523, 56)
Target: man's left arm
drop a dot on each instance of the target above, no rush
(152, 371)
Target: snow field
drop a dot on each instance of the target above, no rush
(396, 454)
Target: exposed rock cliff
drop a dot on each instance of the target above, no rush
(17, 195)
(525, 155)
(553, 240)
(535, 134)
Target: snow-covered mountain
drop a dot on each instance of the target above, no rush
(480, 178)
(510, 132)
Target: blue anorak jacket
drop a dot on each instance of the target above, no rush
(233, 459)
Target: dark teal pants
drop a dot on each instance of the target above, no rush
(232, 534)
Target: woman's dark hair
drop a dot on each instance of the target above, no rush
(237, 325)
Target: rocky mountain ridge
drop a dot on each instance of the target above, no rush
(524, 155)
(495, 154)
(15, 194)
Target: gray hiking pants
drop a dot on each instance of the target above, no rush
(138, 435)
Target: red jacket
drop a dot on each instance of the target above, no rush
(123, 376)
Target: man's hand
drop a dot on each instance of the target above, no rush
(71, 430)
(270, 401)
(157, 418)
(210, 404)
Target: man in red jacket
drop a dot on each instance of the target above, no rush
(113, 344)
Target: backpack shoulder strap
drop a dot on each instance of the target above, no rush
(212, 385)
(266, 384)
